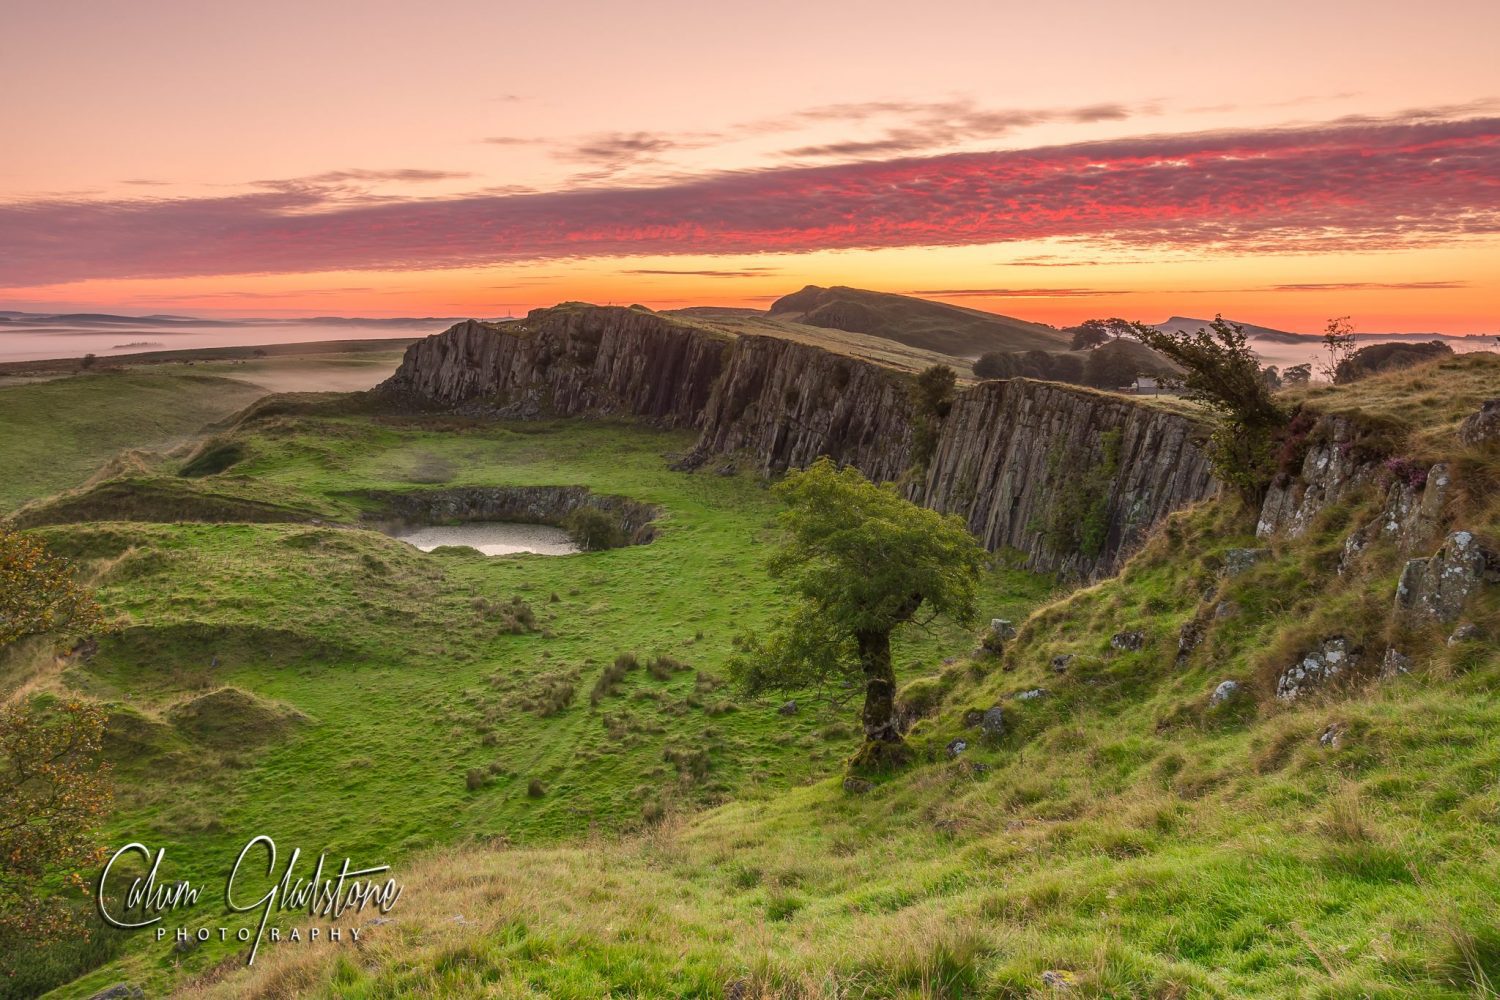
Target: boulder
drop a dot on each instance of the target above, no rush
(790, 708)
(1332, 735)
(1190, 638)
(1060, 663)
(1225, 691)
(1437, 588)
(1329, 660)
(857, 786)
(1032, 695)
(1482, 429)
(1127, 641)
(957, 747)
(993, 723)
(120, 991)
(1237, 561)
(1467, 632)
(1394, 664)
(1003, 628)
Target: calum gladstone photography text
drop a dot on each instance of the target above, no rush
(792, 502)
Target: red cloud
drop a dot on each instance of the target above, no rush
(1342, 186)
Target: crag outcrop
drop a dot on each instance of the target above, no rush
(1070, 477)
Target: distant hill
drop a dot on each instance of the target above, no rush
(919, 323)
(1187, 324)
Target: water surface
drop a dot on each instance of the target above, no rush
(493, 538)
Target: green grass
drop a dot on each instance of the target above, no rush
(54, 435)
(1123, 833)
(376, 678)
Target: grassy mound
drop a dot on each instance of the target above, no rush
(229, 718)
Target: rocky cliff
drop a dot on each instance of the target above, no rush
(568, 360)
(1071, 477)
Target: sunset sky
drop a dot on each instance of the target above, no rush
(1278, 162)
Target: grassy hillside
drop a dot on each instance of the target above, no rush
(56, 433)
(918, 323)
(339, 690)
(1127, 835)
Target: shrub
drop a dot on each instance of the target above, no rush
(593, 530)
(474, 779)
(535, 789)
(663, 667)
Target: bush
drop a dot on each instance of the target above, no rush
(474, 779)
(535, 789)
(1387, 357)
(593, 530)
(613, 674)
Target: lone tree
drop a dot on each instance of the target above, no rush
(862, 562)
(1221, 372)
(1338, 341)
(1092, 333)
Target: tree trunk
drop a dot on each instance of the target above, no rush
(880, 687)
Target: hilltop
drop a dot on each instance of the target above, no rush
(919, 323)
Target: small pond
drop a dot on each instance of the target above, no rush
(493, 538)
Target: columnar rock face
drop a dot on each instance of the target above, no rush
(1008, 457)
(788, 404)
(568, 360)
(1012, 452)
(1331, 470)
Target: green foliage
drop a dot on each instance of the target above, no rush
(861, 561)
(1222, 373)
(1394, 356)
(40, 593)
(1078, 521)
(55, 792)
(932, 397)
(594, 530)
(1054, 366)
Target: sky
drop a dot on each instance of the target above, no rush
(1280, 163)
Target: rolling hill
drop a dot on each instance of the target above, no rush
(919, 323)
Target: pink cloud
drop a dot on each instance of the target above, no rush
(1345, 186)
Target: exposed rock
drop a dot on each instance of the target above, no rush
(1437, 588)
(1011, 450)
(1226, 609)
(1237, 561)
(1190, 638)
(1032, 695)
(957, 747)
(1003, 628)
(790, 708)
(1394, 664)
(993, 722)
(1225, 691)
(1467, 632)
(857, 786)
(120, 991)
(568, 360)
(1411, 518)
(1482, 429)
(521, 504)
(1060, 663)
(1059, 979)
(1332, 735)
(1007, 454)
(1331, 470)
(1127, 641)
(1331, 659)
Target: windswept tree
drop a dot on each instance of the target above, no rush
(1221, 372)
(861, 562)
(1338, 341)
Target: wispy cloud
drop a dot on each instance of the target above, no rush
(1332, 188)
(749, 272)
(1016, 293)
(1332, 286)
